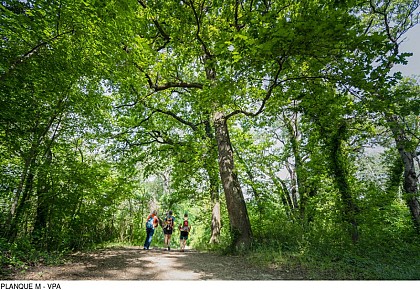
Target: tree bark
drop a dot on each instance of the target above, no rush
(410, 176)
(215, 202)
(340, 171)
(212, 170)
(215, 218)
(19, 191)
(22, 205)
(240, 226)
(297, 175)
(43, 203)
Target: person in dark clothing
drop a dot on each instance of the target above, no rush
(168, 226)
(185, 228)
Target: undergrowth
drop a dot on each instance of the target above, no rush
(366, 260)
(21, 255)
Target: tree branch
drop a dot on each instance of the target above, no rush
(159, 138)
(34, 50)
(166, 36)
(268, 95)
(207, 53)
(400, 28)
(168, 85)
(179, 119)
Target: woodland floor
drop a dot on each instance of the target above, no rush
(134, 263)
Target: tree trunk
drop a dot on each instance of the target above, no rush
(240, 226)
(215, 202)
(299, 189)
(410, 176)
(10, 219)
(293, 186)
(43, 202)
(27, 174)
(340, 171)
(42, 210)
(22, 193)
(210, 166)
(283, 193)
(22, 205)
(215, 219)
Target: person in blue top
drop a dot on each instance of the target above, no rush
(168, 226)
(152, 222)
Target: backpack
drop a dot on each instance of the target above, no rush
(149, 223)
(185, 227)
(169, 222)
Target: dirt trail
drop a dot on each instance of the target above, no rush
(134, 263)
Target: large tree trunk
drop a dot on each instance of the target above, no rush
(410, 176)
(211, 169)
(410, 187)
(215, 218)
(240, 227)
(340, 171)
(215, 202)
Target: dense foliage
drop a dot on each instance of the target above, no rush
(281, 127)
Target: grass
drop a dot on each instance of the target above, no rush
(18, 259)
(360, 262)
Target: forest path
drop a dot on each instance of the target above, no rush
(134, 263)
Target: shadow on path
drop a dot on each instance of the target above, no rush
(134, 263)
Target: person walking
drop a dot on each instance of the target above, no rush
(185, 228)
(152, 222)
(168, 225)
